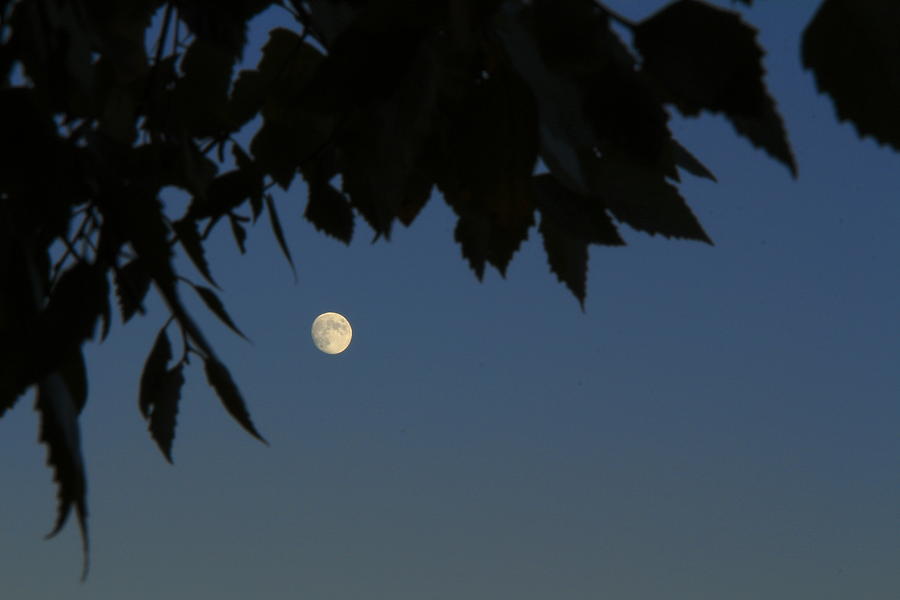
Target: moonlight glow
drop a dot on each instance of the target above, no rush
(331, 333)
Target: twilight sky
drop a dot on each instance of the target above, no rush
(720, 422)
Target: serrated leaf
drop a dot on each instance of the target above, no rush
(132, 285)
(327, 209)
(705, 58)
(569, 223)
(279, 233)
(490, 147)
(154, 372)
(291, 133)
(852, 48)
(568, 257)
(246, 98)
(189, 237)
(280, 147)
(164, 409)
(201, 94)
(220, 379)
(583, 218)
(215, 305)
(642, 198)
(142, 222)
(60, 432)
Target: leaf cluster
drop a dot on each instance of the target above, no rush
(520, 114)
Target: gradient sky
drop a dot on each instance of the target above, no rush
(720, 422)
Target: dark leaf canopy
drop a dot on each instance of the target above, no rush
(521, 116)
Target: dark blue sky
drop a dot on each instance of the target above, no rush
(720, 422)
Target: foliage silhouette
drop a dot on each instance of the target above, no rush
(392, 99)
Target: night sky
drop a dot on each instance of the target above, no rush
(719, 422)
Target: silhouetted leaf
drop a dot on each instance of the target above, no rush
(247, 97)
(569, 222)
(132, 285)
(489, 151)
(642, 198)
(279, 233)
(201, 95)
(142, 223)
(567, 256)
(287, 63)
(328, 209)
(706, 58)
(215, 305)
(154, 372)
(291, 133)
(380, 148)
(852, 48)
(220, 379)
(164, 409)
(239, 233)
(583, 218)
(186, 230)
(253, 181)
(58, 409)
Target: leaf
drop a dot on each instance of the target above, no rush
(164, 409)
(489, 149)
(328, 210)
(642, 198)
(279, 233)
(247, 97)
(253, 176)
(201, 94)
(239, 233)
(583, 218)
(291, 133)
(220, 379)
(852, 48)
(280, 147)
(568, 257)
(186, 231)
(706, 58)
(141, 221)
(287, 63)
(215, 305)
(132, 285)
(569, 222)
(154, 372)
(58, 409)
(381, 148)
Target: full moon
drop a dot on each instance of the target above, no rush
(331, 333)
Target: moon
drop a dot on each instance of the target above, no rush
(331, 333)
